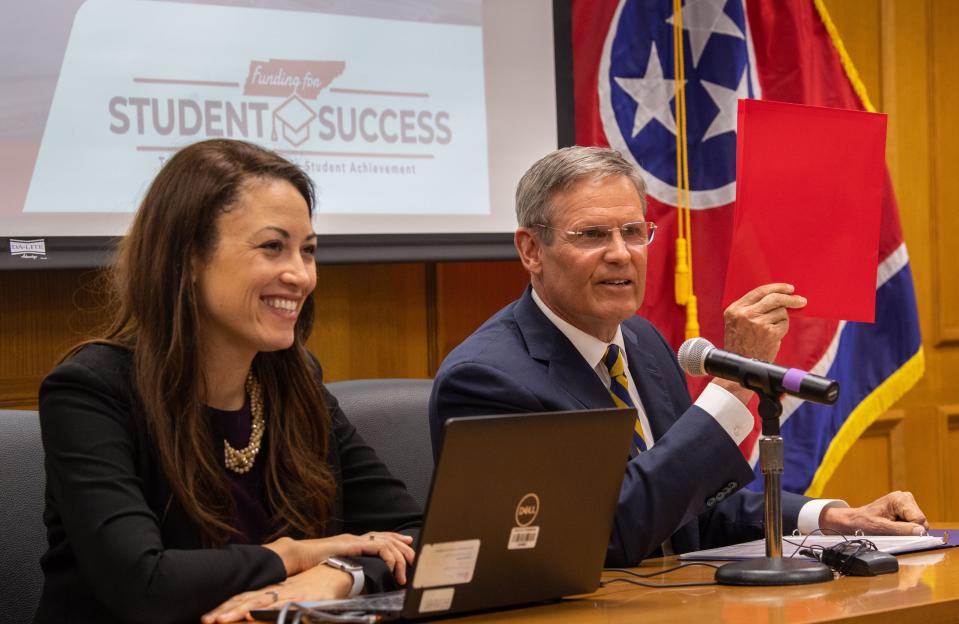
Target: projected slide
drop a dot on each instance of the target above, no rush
(415, 118)
(394, 125)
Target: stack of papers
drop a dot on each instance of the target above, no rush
(893, 544)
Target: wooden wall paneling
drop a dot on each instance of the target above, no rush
(905, 55)
(467, 293)
(913, 73)
(944, 130)
(906, 83)
(42, 314)
(371, 321)
(890, 43)
(949, 428)
(875, 465)
(924, 458)
(858, 23)
(19, 391)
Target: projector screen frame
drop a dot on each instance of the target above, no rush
(85, 252)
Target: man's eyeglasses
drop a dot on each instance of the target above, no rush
(636, 234)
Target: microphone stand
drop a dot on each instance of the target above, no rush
(772, 569)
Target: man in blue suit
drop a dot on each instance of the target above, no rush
(573, 341)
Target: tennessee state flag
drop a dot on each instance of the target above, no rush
(783, 50)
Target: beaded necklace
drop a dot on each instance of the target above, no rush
(241, 460)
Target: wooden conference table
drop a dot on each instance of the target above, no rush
(925, 590)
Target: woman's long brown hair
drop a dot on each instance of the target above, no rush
(157, 317)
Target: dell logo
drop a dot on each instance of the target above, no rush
(527, 510)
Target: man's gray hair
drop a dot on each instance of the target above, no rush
(558, 171)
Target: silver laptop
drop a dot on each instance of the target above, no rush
(520, 511)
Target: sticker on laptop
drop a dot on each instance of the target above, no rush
(436, 600)
(523, 537)
(446, 563)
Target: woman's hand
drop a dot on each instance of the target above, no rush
(308, 580)
(300, 555)
(318, 583)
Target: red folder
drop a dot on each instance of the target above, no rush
(808, 192)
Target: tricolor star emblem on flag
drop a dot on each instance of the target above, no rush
(625, 77)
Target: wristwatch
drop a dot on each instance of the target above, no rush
(350, 567)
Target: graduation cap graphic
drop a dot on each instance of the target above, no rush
(293, 118)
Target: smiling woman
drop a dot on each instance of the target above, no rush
(253, 284)
(194, 458)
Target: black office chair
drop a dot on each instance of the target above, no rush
(22, 534)
(392, 416)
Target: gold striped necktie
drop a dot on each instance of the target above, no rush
(619, 390)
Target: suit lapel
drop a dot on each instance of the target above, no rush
(571, 375)
(649, 384)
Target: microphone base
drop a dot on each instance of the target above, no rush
(773, 571)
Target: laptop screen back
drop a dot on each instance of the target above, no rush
(520, 510)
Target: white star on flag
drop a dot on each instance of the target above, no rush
(652, 94)
(702, 18)
(725, 99)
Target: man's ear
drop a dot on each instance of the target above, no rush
(530, 249)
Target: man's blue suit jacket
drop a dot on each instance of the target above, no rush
(686, 486)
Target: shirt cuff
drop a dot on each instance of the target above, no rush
(808, 520)
(728, 411)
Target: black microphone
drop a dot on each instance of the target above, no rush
(698, 356)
